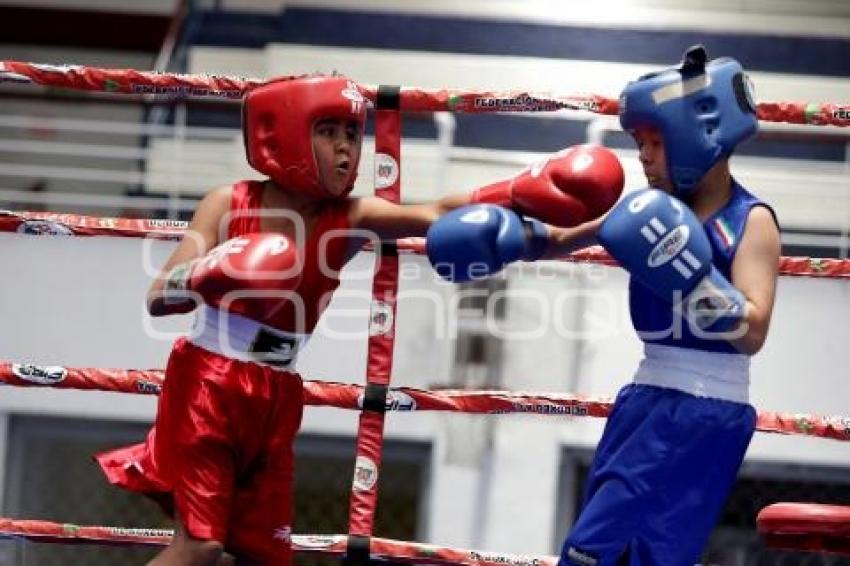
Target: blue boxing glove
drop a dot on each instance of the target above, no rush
(662, 243)
(473, 242)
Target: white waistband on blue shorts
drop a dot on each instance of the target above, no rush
(241, 338)
(705, 374)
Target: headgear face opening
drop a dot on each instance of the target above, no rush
(277, 123)
(702, 111)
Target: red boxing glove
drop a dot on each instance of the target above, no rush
(259, 269)
(570, 187)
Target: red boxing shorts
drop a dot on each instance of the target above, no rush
(221, 451)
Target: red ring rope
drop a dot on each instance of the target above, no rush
(130, 81)
(48, 223)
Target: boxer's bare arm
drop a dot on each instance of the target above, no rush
(204, 233)
(564, 241)
(387, 220)
(754, 273)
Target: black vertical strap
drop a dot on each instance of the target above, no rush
(357, 551)
(375, 394)
(375, 398)
(389, 97)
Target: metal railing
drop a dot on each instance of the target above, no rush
(72, 170)
(180, 162)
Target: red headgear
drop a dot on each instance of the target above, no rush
(277, 122)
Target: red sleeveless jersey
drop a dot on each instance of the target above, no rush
(318, 280)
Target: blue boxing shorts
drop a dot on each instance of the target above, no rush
(659, 479)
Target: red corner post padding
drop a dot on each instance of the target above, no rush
(806, 526)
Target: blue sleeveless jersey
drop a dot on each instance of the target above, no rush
(652, 317)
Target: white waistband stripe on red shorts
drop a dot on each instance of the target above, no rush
(241, 338)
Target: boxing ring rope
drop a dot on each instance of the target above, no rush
(376, 397)
(797, 526)
(320, 393)
(794, 526)
(806, 526)
(335, 546)
(56, 224)
(130, 81)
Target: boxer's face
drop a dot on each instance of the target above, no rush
(652, 157)
(336, 145)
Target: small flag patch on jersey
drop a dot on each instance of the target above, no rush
(727, 236)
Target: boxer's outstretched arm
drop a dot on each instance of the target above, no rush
(568, 188)
(390, 221)
(564, 241)
(476, 241)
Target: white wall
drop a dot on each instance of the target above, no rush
(78, 302)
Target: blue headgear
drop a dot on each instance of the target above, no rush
(701, 110)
